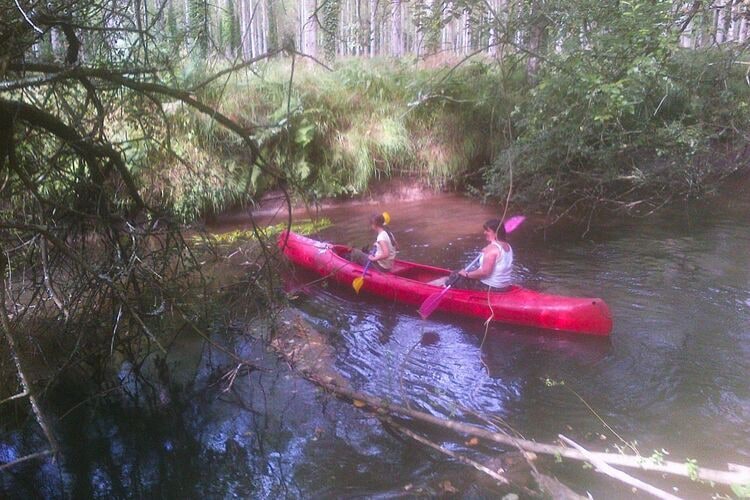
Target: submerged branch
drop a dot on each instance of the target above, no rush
(605, 468)
(460, 458)
(21, 460)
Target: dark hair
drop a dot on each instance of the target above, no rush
(497, 226)
(378, 220)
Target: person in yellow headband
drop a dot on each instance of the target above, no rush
(384, 249)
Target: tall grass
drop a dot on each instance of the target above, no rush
(335, 132)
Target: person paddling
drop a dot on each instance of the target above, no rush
(385, 246)
(496, 261)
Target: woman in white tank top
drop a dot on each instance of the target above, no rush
(384, 249)
(496, 261)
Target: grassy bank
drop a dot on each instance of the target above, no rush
(336, 132)
(579, 136)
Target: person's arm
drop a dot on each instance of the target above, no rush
(488, 263)
(382, 252)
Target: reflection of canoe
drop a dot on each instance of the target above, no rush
(408, 284)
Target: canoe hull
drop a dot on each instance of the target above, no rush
(407, 283)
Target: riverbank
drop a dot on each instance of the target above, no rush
(478, 129)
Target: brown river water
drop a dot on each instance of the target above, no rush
(673, 376)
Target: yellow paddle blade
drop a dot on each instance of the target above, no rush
(387, 218)
(357, 283)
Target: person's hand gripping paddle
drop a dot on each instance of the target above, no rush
(433, 301)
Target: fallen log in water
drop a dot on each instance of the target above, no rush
(306, 350)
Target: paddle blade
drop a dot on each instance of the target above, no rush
(430, 304)
(512, 223)
(357, 283)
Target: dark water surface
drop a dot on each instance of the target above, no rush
(673, 375)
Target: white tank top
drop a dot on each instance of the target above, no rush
(386, 263)
(501, 274)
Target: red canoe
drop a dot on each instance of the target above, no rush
(407, 283)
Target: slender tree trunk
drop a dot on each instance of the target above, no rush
(244, 32)
(330, 12)
(311, 28)
(397, 46)
(371, 30)
(492, 37)
(536, 40)
(720, 17)
(273, 30)
(359, 48)
(466, 28)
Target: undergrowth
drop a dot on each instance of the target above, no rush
(585, 134)
(335, 133)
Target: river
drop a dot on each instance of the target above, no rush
(673, 376)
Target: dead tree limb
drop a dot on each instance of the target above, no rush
(610, 471)
(460, 458)
(21, 460)
(25, 384)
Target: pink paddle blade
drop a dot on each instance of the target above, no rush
(430, 304)
(512, 223)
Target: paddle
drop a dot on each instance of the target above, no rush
(360, 280)
(431, 303)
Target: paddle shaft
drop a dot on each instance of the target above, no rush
(364, 271)
(431, 303)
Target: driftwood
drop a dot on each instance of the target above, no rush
(294, 333)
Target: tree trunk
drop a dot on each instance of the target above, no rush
(331, 10)
(371, 30)
(720, 24)
(397, 45)
(273, 30)
(360, 46)
(536, 40)
(311, 28)
(244, 32)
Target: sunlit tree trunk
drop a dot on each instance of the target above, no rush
(493, 37)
